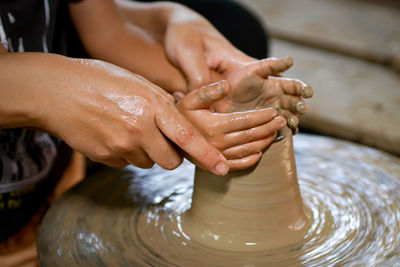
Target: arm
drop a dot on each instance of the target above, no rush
(152, 17)
(204, 56)
(105, 112)
(183, 34)
(107, 36)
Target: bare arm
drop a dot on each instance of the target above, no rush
(16, 109)
(152, 17)
(105, 112)
(107, 36)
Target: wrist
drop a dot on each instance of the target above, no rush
(16, 109)
(26, 79)
(16, 117)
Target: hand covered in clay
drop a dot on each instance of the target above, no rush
(194, 46)
(204, 55)
(240, 136)
(254, 86)
(105, 112)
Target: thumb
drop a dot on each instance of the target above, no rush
(205, 96)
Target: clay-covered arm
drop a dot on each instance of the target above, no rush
(108, 36)
(240, 136)
(105, 112)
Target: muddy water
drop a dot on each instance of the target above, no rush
(133, 217)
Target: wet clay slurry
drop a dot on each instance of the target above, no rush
(134, 217)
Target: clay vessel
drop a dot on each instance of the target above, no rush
(253, 209)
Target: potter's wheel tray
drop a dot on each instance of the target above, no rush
(131, 217)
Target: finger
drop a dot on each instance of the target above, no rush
(269, 66)
(161, 151)
(104, 155)
(243, 163)
(291, 86)
(139, 158)
(292, 120)
(178, 96)
(294, 104)
(216, 76)
(248, 149)
(175, 126)
(113, 162)
(238, 121)
(257, 133)
(205, 96)
(192, 62)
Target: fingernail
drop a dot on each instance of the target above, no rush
(292, 122)
(221, 168)
(274, 113)
(300, 107)
(223, 87)
(307, 91)
(221, 84)
(288, 61)
(283, 121)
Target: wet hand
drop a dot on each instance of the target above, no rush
(240, 136)
(194, 46)
(254, 86)
(116, 117)
(204, 55)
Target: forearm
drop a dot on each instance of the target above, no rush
(27, 81)
(138, 52)
(16, 109)
(152, 17)
(156, 17)
(115, 40)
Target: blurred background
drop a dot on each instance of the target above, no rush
(349, 52)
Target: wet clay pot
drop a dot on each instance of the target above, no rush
(243, 210)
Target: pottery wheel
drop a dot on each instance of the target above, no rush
(131, 217)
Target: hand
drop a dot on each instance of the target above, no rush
(197, 48)
(253, 87)
(240, 136)
(191, 43)
(109, 114)
(204, 55)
